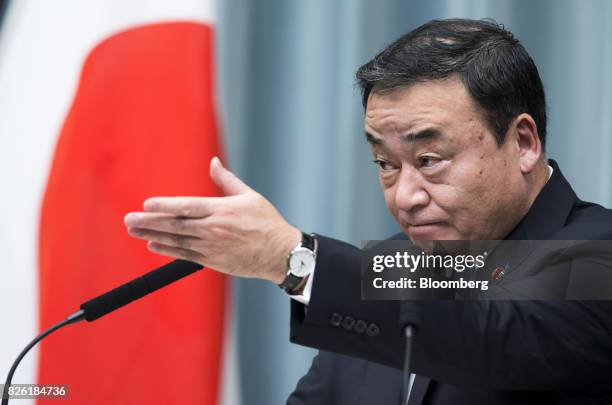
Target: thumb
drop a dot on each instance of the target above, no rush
(227, 181)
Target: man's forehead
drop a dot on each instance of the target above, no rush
(439, 90)
(404, 121)
(412, 108)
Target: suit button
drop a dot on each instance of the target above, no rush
(373, 330)
(360, 326)
(348, 323)
(336, 319)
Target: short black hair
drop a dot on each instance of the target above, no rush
(494, 67)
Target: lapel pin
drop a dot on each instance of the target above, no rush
(499, 272)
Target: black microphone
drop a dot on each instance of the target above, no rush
(110, 301)
(409, 314)
(137, 288)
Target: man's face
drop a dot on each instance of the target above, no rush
(441, 171)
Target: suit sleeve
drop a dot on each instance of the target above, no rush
(509, 345)
(336, 319)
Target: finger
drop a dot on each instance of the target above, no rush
(169, 239)
(227, 181)
(164, 223)
(175, 252)
(191, 207)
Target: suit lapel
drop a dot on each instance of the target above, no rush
(546, 216)
(550, 210)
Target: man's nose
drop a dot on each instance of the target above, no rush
(410, 192)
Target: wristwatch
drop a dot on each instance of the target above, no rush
(300, 263)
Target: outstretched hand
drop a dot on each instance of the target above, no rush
(240, 234)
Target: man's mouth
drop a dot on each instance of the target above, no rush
(425, 230)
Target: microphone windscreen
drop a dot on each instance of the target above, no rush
(138, 288)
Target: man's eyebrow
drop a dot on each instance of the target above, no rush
(373, 139)
(425, 134)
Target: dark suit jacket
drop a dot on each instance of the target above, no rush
(343, 380)
(490, 352)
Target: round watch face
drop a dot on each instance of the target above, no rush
(302, 262)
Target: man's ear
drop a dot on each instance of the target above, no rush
(528, 141)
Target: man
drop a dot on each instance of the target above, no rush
(456, 119)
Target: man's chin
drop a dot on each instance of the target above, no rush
(438, 231)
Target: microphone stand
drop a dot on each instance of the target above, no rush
(408, 333)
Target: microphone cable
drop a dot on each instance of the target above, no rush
(74, 318)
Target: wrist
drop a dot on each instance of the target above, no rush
(301, 262)
(286, 244)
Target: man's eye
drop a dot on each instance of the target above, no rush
(383, 164)
(428, 161)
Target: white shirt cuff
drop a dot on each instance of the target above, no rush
(304, 297)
